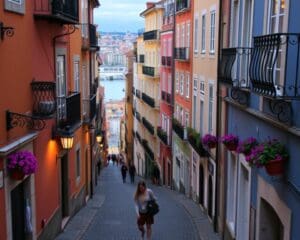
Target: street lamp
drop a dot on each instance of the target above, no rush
(67, 141)
(99, 138)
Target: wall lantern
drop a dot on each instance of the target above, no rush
(99, 137)
(67, 141)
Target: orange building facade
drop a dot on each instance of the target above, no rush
(48, 93)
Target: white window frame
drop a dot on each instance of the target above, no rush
(182, 42)
(212, 31)
(196, 25)
(210, 107)
(203, 32)
(76, 65)
(188, 34)
(202, 86)
(177, 82)
(195, 82)
(187, 119)
(181, 87)
(187, 85)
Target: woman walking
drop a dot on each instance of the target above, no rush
(141, 198)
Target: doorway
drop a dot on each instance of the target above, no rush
(210, 197)
(64, 187)
(17, 211)
(201, 185)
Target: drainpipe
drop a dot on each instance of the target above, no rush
(218, 122)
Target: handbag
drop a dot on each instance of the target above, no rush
(152, 206)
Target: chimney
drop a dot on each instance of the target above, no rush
(150, 4)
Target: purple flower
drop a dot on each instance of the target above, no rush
(22, 160)
(209, 140)
(246, 146)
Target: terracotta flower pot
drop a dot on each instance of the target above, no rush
(275, 167)
(17, 174)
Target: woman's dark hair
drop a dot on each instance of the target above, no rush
(138, 192)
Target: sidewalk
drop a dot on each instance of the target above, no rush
(81, 222)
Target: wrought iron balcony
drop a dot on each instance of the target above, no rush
(274, 66)
(147, 148)
(149, 100)
(194, 139)
(138, 116)
(138, 93)
(166, 61)
(89, 109)
(182, 53)
(163, 136)
(166, 97)
(141, 58)
(44, 102)
(148, 125)
(138, 136)
(65, 12)
(93, 37)
(150, 71)
(150, 35)
(182, 5)
(68, 110)
(178, 128)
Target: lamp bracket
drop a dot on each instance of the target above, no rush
(8, 31)
(22, 120)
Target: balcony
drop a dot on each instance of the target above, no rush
(166, 61)
(138, 93)
(93, 38)
(138, 136)
(194, 139)
(44, 104)
(167, 97)
(182, 5)
(274, 66)
(89, 109)
(141, 58)
(150, 71)
(148, 150)
(68, 111)
(182, 53)
(150, 35)
(162, 134)
(138, 116)
(64, 12)
(148, 126)
(149, 100)
(133, 90)
(179, 129)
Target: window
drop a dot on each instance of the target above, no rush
(195, 83)
(177, 112)
(203, 34)
(84, 19)
(177, 82)
(181, 115)
(17, 6)
(183, 35)
(210, 108)
(169, 87)
(202, 87)
(177, 35)
(61, 88)
(196, 34)
(194, 111)
(187, 85)
(181, 83)
(78, 164)
(201, 116)
(76, 76)
(188, 34)
(212, 31)
(187, 119)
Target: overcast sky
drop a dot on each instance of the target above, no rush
(120, 15)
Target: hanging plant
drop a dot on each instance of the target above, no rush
(230, 141)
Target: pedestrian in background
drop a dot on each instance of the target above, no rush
(141, 198)
(124, 172)
(132, 172)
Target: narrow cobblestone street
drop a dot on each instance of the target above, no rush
(110, 215)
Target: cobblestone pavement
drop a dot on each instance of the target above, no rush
(110, 215)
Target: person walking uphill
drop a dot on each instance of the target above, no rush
(124, 172)
(142, 196)
(132, 172)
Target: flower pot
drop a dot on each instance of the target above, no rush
(275, 167)
(212, 145)
(231, 146)
(17, 174)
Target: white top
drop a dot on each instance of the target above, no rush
(141, 202)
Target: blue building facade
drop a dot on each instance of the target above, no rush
(259, 72)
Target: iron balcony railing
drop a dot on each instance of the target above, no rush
(150, 71)
(93, 37)
(65, 12)
(182, 53)
(182, 5)
(138, 136)
(138, 116)
(166, 97)
(141, 58)
(150, 35)
(274, 66)
(178, 128)
(89, 109)
(148, 125)
(166, 61)
(148, 150)
(234, 66)
(149, 100)
(162, 134)
(68, 110)
(138, 93)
